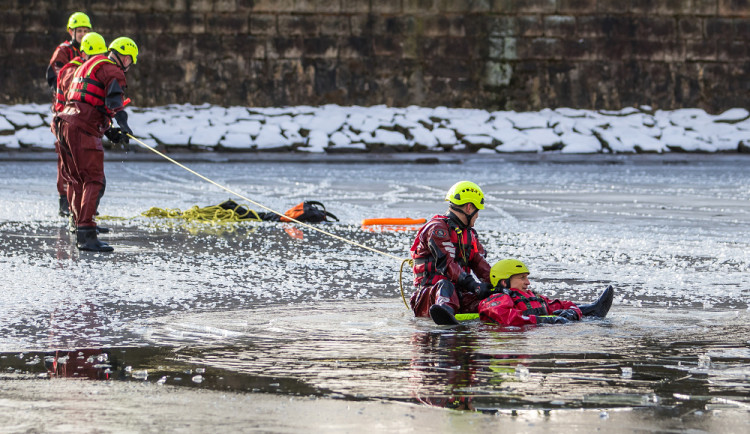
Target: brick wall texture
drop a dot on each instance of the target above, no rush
(490, 54)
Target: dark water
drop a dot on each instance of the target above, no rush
(249, 308)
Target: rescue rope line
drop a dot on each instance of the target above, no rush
(353, 243)
(400, 282)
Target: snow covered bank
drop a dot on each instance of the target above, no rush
(333, 128)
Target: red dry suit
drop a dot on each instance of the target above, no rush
(64, 77)
(95, 95)
(445, 250)
(63, 54)
(517, 308)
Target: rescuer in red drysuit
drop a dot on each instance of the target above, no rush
(447, 254)
(512, 303)
(91, 45)
(78, 26)
(96, 95)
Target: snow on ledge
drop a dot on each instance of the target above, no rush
(333, 128)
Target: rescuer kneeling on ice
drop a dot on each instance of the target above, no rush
(96, 95)
(447, 254)
(512, 302)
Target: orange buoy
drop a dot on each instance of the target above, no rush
(393, 221)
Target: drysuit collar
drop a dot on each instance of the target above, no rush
(452, 213)
(453, 216)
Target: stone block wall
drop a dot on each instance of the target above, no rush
(490, 54)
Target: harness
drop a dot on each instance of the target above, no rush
(59, 93)
(518, 298)
(85, 87)
(463, 239)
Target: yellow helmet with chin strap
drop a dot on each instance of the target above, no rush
(78, 19)
(464, 192)
(126, 47)
(506, 268)
(93, 43)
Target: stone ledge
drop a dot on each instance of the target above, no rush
(335, 129)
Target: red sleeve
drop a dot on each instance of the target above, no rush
(501, 309)
(438, 240)
(60, 57)
(556, 304)
(109, 73)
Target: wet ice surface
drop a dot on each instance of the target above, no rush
(259, 310)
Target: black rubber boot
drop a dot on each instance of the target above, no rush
(599, 308)
(86, 239)
(99, 229)
(64, 207)
(442, 315)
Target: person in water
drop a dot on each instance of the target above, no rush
(512, 302)
(447, 255)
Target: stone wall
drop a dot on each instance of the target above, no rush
(491, 54)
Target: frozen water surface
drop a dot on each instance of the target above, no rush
(258, 310)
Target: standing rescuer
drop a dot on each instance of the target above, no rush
(95, 97)
(91, 45)
(447, 254)
(78, 26)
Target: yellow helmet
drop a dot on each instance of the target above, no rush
(93, 43)
(78, 19)
(506, 268)
(126, 47)
(466, 192)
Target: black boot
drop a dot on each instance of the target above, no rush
(64, 206)
(599, 308)
(442, 315)
(87, 240)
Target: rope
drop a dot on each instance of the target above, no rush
(311, 227)
(400, 281)
(208, 214)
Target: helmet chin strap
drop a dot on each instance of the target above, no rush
(468, 216)
(119, 62)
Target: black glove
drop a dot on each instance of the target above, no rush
(484, 290)
(551, 320)
(467, 282)
(116, 136)
(567, 314)
(122, 120)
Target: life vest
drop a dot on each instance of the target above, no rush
(464, 241)
(70, 49)
(518, 298)
(85, 86)
(59, 93)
